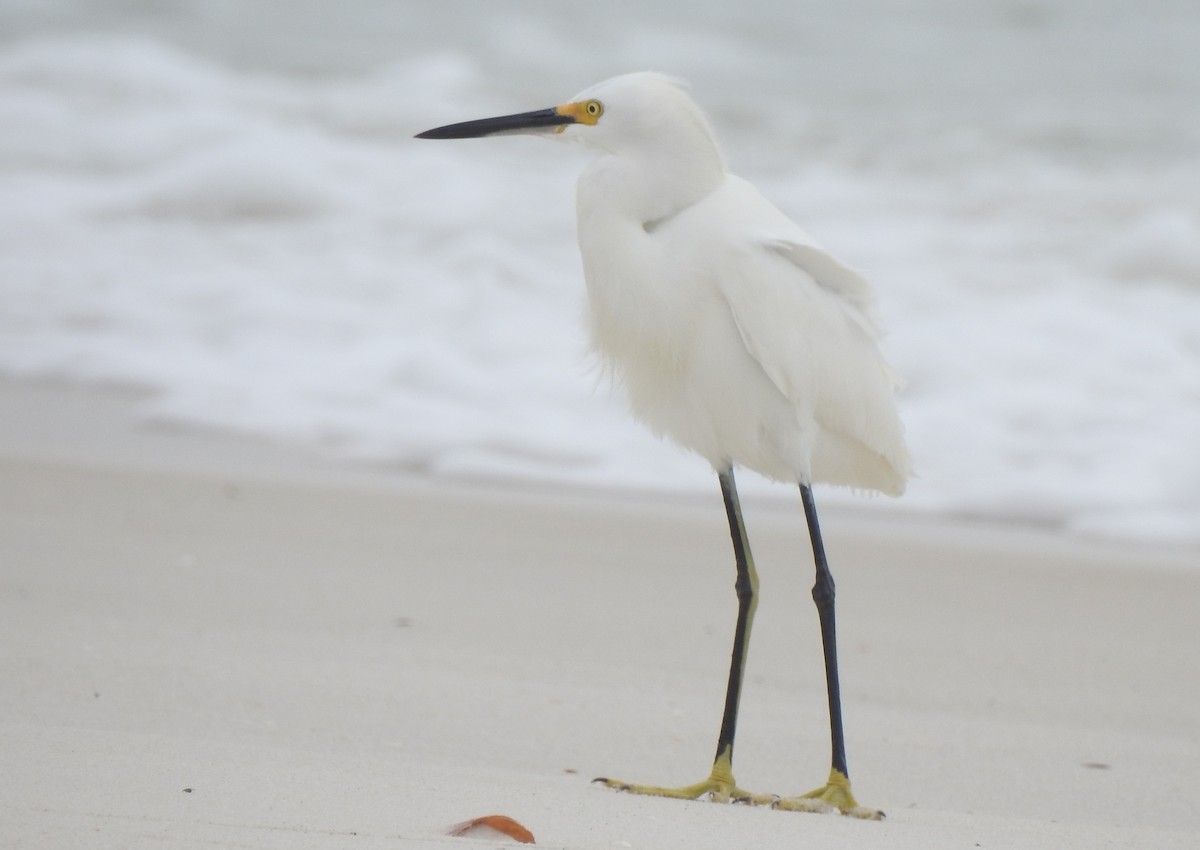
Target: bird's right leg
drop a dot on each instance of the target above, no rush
(720, 785)
(835, 793)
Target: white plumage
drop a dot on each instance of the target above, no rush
(733, 332)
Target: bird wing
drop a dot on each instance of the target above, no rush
(810, 323)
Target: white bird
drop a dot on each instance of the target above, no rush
(735, 335)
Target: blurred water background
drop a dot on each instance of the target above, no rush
(221, 202)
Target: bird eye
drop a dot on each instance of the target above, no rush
(594, 108)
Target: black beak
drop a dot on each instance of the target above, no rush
(539, 121)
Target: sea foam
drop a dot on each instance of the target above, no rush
(272, 253)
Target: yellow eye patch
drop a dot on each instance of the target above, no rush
(583, 111)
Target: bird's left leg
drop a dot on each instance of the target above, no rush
(720, 785)
(834, 794)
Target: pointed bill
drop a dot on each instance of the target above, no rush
(538, 121)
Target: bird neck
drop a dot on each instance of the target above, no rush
(651, 185)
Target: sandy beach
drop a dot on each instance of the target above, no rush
(210, 642)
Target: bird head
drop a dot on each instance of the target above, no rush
(632, 113)
(660, 152)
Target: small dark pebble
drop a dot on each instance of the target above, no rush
(187, 790)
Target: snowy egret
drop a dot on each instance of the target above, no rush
(735, 335)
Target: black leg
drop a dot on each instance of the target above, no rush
(835, 793)
(720, 784)
(823, 595)
(747, 595)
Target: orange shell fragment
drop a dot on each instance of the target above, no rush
(500, 823)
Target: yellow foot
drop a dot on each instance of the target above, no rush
(716, 788)
(835, 795)
(719, 787)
